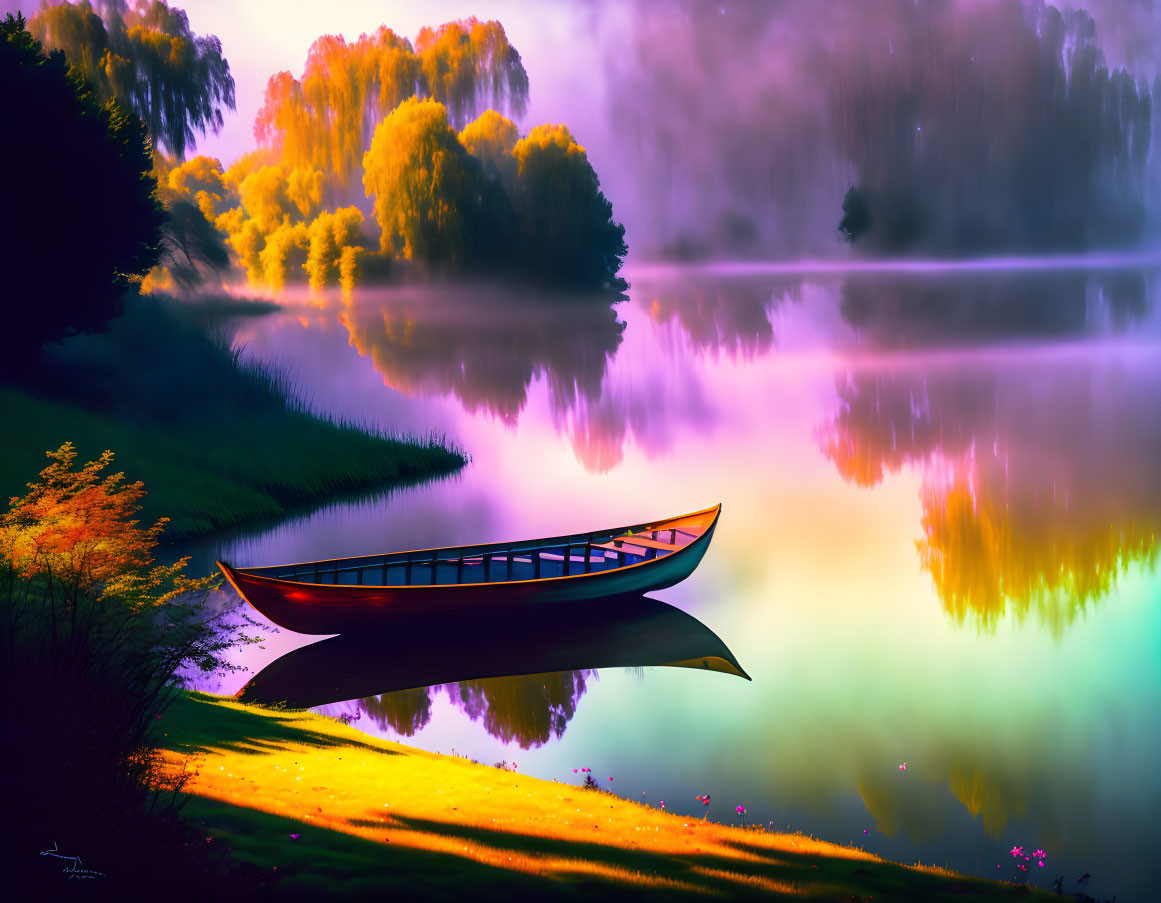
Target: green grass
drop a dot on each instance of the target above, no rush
(454, 829)
(225, 474)
(217, 443)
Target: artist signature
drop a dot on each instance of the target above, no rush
(76, 870)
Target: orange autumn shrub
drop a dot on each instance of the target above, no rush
(78, 529)
(95, 637)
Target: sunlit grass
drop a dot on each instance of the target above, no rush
(374, 815)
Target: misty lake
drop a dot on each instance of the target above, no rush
(938, 544)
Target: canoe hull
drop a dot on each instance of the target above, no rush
(618, 631)
(328, 609)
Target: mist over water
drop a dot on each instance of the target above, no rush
(938, 545)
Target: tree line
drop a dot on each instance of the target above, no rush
(372, 157)
(377, 132)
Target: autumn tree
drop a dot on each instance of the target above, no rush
(568, 234)
(327, 119)
(469, 62)
(426, 186)
(203, 181)
(491, 138)
(67, 157)
(147, 56)
(330, 236)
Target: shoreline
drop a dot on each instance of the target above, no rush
(298, 462)
(325, 810)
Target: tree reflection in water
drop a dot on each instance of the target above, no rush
(729, 317)
(916, 310)
(1035, 499)
(698, 316)
(485, 346)
(530, 709)
(406, 712)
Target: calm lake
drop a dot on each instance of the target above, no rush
(941, 499)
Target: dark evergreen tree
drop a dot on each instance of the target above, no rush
(79, 202)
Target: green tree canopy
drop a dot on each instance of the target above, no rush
(79, 200)
(568, 232)
(147, 56)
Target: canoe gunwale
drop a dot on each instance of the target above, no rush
(248, 576)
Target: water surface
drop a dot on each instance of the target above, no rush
(941, 514)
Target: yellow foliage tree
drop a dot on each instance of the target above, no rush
(285, 253)
(330, 235)
(327, 119)
(350, 267)
(202, 180)
(265, 198)
(465, 61)
(304, 189)
(247, 241)
(424, 182)
(491, 139)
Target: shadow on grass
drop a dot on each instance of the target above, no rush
(206, 726)
(325, 863)
(714, 874)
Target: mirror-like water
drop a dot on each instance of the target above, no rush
(941, 516)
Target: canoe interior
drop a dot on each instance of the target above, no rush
(558, 556)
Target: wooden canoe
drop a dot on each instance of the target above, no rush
(353, 594)
(422, 651)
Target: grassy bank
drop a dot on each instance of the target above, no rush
(327, 811)
(217, 443)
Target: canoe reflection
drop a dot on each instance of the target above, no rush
(497, 641)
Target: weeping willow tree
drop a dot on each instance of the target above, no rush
(468, 63)
(147, 56)
(328, 118)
